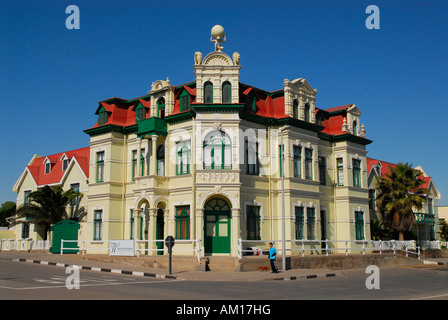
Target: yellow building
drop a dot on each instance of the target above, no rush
(69, 170)
(427, 225)
(201, 160)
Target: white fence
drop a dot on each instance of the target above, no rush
(331, 246)
(27, 244)
(139, 246)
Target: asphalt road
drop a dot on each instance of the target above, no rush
(23, 281)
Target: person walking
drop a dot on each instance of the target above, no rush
(272, 256)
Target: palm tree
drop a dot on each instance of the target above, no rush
(399, 193)
(46, 207)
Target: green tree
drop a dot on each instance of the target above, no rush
(399, 193)
(444, 229)
(379, 230)
(7, 209)
(47, 206)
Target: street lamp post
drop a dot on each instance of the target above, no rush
(282, 172)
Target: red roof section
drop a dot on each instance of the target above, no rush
(37, 169)
(385, 169)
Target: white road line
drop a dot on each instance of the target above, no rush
(431, 297)
(90, 285)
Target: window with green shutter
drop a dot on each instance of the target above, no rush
(253, 223)
(359, 225)
(182, 223)
(297, 159)
(100, 166)
(97, 224)
(310, 222)
(299, 222)
(356, 173)
(309, 164)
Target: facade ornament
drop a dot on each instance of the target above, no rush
(198, 57)
(363, 131)
(236, 58)
(218, 36)
(344, 125)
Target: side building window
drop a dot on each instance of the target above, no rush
(100, 166)
(359, 225)
(97, 224)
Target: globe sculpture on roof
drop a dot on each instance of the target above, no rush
(218, 36)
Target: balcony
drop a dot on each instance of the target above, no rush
(424, 218)
(152, 126)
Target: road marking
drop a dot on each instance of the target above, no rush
(91, 285)
(431, 297)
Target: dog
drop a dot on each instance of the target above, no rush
(263, 268)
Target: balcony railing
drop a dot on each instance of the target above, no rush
(424, 218)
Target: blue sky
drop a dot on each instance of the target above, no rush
(52, 78)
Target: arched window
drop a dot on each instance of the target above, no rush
(307, 113)
(355, 128)
(161, 160)
(295, 109)
(183, 158)
(217, 151)
(161, 108)
(208, 92)
(226, 92)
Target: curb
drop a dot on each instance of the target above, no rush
(134, 273)
(165, 276)
(433, 262)
(311, 276)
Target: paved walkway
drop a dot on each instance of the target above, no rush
(90, 263)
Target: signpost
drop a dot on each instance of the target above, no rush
(169, 243)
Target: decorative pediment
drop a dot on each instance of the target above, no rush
(303, 84)
(353, 109)
(217, 59)
(160, 84)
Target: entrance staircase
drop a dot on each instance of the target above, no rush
(217, 263)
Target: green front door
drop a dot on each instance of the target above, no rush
(217, 227)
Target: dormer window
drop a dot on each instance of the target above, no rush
(102, 116)
(161, 108)
(307, 113)
(139, 113)
(378, 169)
(184, 101)
(65, 164)
(295, 109)
(355, 128)
(251, 102)
(47, 167)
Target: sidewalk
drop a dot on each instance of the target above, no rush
(89, 263)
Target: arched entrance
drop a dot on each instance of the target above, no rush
(217, 226)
